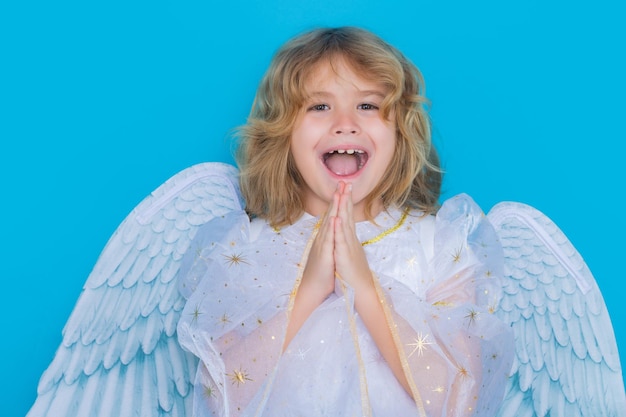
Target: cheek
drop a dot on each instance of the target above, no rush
(310, 128)
(391, 157)
(301, 159)
(389, 145)
(300, 135)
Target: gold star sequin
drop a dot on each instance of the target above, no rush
(463, 372)
(419, 344)
(196, 313)
(472, 316)
(456, 256)
(208, 391)
(239, 377)
(411, 262)
(224, 319)
(235, 259)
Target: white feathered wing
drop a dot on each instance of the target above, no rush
(567, 363)
(120, 355)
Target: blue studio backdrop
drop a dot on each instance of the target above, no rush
(101, 102)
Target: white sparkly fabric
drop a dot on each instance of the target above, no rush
(440, 276)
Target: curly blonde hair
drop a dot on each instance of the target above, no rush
(270, 182)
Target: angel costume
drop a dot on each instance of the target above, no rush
(187, 271)
(438, 279)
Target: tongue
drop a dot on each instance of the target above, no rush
(342, 163)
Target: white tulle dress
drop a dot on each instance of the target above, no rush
(438, 278)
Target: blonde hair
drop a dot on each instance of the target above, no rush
(271, 184)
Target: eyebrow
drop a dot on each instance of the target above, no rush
(363, 93)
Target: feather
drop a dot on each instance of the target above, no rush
(567, 363)
(120, 341)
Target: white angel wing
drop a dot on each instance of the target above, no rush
(566, 363)
(120, 355)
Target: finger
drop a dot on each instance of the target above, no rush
(346, 210)
(325, 223)
(350, 261)
(333, 207)
(341, 212)
(331, 214)
(349, 205)
(325, 233)
(344, 235)
(340, 243)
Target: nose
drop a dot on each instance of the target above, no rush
(345, 124)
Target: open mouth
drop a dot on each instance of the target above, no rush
(345, 162)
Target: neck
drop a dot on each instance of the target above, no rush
(359, 212)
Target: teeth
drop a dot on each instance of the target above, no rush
(348, 151)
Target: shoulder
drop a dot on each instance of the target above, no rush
(459, 214)
(461, 223)
(214, 235)
(462, 216)
(222, 228)
(459, 206)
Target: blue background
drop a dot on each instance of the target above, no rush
(101, 102)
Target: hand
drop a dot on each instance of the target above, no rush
(318, 279)
(350, 261)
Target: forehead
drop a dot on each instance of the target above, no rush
(337, 72)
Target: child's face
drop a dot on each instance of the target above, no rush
(340, 135)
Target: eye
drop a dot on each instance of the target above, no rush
(319, 107)
(367, 106)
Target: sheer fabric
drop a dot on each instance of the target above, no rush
(438, 278)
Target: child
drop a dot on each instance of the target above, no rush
(339, 292)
